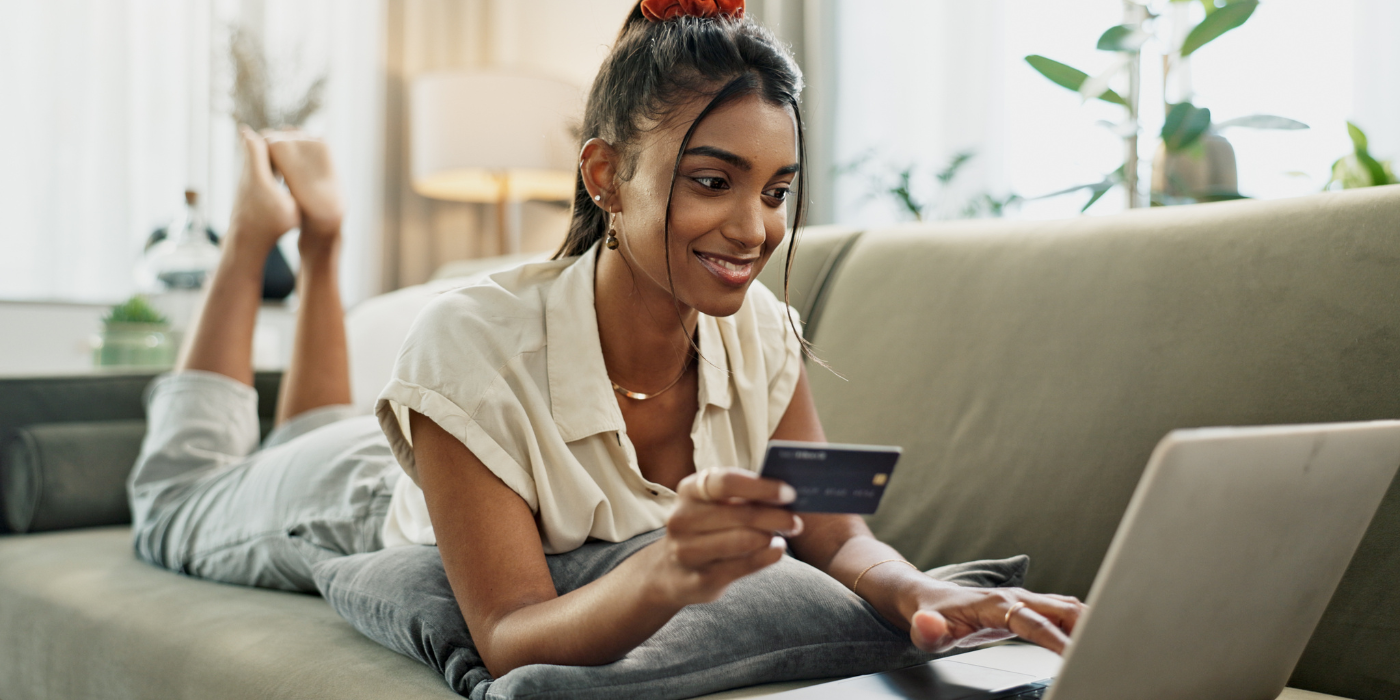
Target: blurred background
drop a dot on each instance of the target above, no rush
(119, 154)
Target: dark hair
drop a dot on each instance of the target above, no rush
(655, 67)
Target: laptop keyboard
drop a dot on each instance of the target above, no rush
(1034, 693)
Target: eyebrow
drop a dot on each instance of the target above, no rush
(735, 159)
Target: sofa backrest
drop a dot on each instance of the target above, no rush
(1029, 368)
(819, 252)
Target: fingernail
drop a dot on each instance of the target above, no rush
(778, 542)
(797, 526)
(786, 494)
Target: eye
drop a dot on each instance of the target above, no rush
(712, 183)
(779, 193)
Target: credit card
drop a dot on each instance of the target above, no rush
(831, 478)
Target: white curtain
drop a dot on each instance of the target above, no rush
(114, 107)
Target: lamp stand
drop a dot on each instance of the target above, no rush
(508, 217)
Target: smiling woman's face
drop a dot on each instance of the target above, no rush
(728, 206)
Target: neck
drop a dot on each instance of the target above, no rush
(646, 343)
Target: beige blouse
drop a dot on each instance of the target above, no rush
(512, 367)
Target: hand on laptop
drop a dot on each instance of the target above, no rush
(945, 617)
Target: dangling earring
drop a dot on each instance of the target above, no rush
(611, 240)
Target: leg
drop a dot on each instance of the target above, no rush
(223, 339)
(319, 373)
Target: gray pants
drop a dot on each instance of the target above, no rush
(208, 501)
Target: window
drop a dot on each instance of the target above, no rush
(114, 108)
(921, 80)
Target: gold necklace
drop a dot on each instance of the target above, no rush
(642, 397)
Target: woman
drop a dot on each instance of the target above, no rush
(626, 386)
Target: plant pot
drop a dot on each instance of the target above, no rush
(1204, 172)
(135, 345)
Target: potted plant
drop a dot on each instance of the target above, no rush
(1193, 162)
(134, 334)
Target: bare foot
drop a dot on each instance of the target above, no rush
(262, 209)
(305, 164)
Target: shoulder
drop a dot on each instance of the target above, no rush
(766, 321)
(767, 310)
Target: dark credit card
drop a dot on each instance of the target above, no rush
(831, 478)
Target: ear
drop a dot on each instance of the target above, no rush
(599, 163)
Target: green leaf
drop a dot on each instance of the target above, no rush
(1100, 189)
(1373, 168)
(1358, 138)
(1124, 37)
(1262, 121)
(1067, 77)
(1185, 125)
(1217, 23)
(133, 310)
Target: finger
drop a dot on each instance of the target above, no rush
(711, 517)
(731, 569)
(701, 551)
(1063, 598)
(1063, 613)
(929, 630)
(723, 484)
(1033, 627)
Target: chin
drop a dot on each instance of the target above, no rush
(719, 302)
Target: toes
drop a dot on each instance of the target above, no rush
(255, 149)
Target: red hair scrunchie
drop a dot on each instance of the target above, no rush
(662, 10)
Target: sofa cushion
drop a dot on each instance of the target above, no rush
(80, 617)
(786, 622)
(1029, 368)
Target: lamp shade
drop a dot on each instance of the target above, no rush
(493, 136)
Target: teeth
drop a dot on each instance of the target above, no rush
(729, 265)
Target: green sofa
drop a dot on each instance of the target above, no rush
(1028, 369)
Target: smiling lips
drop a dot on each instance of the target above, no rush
(730, 270)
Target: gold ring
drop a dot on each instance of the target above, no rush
(1012, 611)
(704, 486)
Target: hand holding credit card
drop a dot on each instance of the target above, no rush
(831, 478)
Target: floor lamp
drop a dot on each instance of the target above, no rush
(494, 137)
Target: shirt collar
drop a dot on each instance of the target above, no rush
(580, 393)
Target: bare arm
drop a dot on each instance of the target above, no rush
(938, 615)
(495, 562)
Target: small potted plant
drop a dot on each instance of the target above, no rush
(134, 334)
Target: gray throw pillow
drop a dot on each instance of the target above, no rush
(786, 622)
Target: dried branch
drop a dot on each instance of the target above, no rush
(254, 102)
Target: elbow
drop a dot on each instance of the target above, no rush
(493, 645)
(509, 644)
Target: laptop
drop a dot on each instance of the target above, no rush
(1224, 562)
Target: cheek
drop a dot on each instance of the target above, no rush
(694, 216)
(775, 227)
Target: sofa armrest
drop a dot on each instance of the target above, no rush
(58, 476)
(68, 443)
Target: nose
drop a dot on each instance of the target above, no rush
(746, 226)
